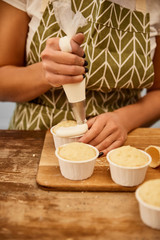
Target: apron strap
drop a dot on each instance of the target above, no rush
(141, 5)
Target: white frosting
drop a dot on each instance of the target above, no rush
(72, 131)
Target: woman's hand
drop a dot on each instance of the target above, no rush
(106, 132)
(62, 67)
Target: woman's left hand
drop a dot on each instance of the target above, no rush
(106, 132)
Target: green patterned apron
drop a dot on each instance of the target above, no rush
(117, 47)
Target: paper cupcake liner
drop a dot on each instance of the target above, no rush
(128, 176)
(154, 152)
(150, 215)
(77, 170)
(74, 171)
(58, 141)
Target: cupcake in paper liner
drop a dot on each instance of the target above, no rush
(154, 152)
(128, 165)
(148, 197)
(76, 160)
(67, 131)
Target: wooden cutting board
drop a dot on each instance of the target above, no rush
(50, 178)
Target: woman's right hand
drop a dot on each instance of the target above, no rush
(63, 67)
(21, 83)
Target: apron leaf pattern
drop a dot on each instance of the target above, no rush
(117, 48)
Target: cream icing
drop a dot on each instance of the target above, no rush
(72, 131)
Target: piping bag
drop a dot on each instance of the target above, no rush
(69, 22)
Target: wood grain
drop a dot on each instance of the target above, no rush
(49, 175)
(28, 212)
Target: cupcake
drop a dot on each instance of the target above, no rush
(128, 165)
(76, 160)
(148, 196)
(67, 131)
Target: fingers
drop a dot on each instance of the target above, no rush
(94, 130)
(62, 67)
(114, 140)
(105, 132)
(62, 57)
(76, 41)
(91, 121)
(114, 145)
(53, 43)
(107, 141)
(58, 80)
(78, 38)
(96, 127)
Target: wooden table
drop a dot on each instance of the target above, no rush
(28, 212)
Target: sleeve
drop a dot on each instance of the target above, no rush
(153, 8)
(20, 4)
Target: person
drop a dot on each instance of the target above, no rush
(121, 47)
